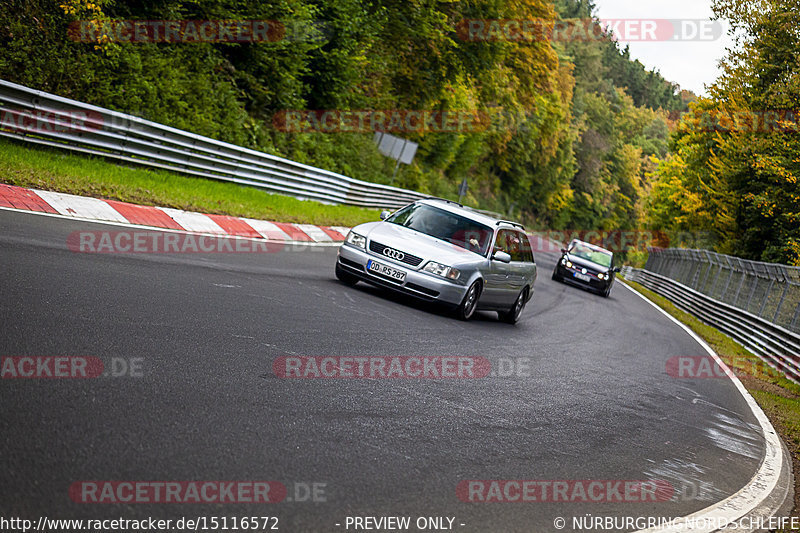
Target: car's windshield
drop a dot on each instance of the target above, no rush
(599, 257)
(446, 226)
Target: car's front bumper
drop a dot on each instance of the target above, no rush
(419, 284)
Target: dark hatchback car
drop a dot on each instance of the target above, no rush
(588, 266)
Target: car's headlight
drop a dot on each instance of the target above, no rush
(601, 275)
(569, 264)
(441, 270)
(563, 261)
(356, 240)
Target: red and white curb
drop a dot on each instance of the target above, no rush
(165, 218)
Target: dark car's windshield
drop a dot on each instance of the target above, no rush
(599, 257)
(446, 226)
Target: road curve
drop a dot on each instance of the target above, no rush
(592, 402)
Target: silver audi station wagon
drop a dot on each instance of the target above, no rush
(439, 250)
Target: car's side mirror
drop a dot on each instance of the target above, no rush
(385, 214)
(501, 256)
(563, 250)
(616, 269)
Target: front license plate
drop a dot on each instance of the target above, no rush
(582, 277)
(388, 271)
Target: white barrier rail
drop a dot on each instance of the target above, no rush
(48, 120)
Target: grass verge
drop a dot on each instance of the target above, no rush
(777, 396)
(91, 176)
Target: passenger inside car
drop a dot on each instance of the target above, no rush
(470, 238)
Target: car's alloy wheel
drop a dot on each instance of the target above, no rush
(512, 316)
(470, 302)
(345, 277)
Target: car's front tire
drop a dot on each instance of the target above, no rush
(606, 292)
(512, 315)
(555, 276)
(345, 277)
(467, 307)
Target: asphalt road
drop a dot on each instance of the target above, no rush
(593, 401)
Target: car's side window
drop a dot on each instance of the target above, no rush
(514, 243)
(500, 242)
(514, 246)
(508, 241)
(525, 248)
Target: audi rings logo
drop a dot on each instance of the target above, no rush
(394, 254)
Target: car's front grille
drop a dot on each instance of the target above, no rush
(578, 268)
(408, 259)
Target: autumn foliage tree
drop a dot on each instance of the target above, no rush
(736, 157)
(572, 125)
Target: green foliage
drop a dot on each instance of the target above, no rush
(734, 173)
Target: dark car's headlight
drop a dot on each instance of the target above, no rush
(356, 240)
(602, 276)
(444, 271)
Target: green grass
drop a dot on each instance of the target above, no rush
(87, 176)
(788, 409)
(776, 395)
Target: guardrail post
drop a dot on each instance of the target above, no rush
(686, 271)
(698, 261)
(780, 302)
(766, 297)
(674, 266)
(663, 260)
(716, 279)
(725, 290)
(741, 283)
(752, 292)
(657, 260)
(708, 270)
(696, 271)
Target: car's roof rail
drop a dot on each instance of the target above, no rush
(444, 200)
(517, 224)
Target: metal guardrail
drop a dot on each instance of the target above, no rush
(774, 344)
(769, 290)
(45, 119)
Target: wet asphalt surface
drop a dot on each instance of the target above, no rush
(588, 397)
